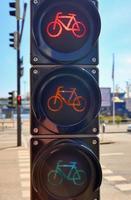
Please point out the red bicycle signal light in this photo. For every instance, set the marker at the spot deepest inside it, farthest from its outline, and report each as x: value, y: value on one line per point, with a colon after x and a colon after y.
x: 64, y: 31
x: 19, y: 100
x: 55, y: 28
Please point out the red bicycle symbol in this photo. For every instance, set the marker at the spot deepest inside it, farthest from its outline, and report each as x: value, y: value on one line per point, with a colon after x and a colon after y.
x: 55, y: 103
x: 54, y: 28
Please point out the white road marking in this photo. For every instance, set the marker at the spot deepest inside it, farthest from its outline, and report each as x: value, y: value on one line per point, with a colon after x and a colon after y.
x: 24, y: 160
x: 114, y: 178
x: 22, y: 156
x: 25, y: 183
x: 24, y: 164
x: 113, y: 154
x: 24, y: 167
x: 27, y: 169
x: 24, y: 175
x: 23, y: 152
x: 26, y: 193
x: 107, y: 171
x: 8, y: 142
x: 103, y: 167
x: 124, y: 187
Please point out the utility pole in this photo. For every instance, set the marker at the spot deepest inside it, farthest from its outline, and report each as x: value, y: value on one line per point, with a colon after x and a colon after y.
x: 18, y: 88
x: 113, y: 79
x: 16, y: 44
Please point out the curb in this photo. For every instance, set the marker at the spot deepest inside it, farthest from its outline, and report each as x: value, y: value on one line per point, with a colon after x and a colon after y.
x: 106, y: 142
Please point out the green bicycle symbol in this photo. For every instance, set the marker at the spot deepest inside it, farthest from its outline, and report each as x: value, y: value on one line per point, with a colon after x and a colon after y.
x: 57, y: 176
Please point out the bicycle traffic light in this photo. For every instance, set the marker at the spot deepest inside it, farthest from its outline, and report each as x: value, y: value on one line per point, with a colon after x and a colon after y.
x: 65, y: 168
x: 65, y: 100
x: 64, y: 32
x: 19, y: 100
x: 11, y: 99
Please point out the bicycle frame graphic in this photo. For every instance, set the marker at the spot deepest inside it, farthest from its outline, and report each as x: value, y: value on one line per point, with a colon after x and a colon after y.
x: 55, y: 103
x: 74, y: 175
x: 77, y: 28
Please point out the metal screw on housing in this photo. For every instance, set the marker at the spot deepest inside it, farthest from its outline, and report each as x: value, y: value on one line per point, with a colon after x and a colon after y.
x: 94, y: 130
x: 94, y: 142
x: 35, y: 1
x: 35, y: 142
x: 35, y: 71
x: 35, y: 59
x: 93, y: 71
x: 93, y: 59
x: 35, y: 130
x: 95, y: 5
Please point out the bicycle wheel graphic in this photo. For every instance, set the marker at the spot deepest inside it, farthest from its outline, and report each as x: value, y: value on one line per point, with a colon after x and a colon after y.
x: 54, y: 29
x: 79, y: 29
x: 55, y: 104
x: 79, y: 104
x: 79, y: 177
x: 54, y: 178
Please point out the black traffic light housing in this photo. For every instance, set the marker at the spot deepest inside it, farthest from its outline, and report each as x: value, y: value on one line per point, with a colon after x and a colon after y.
x: 13, y: 40
x: 21, y: 69
x: 12, y: 5
x: 65, y: 100
x: 16, y: 9
x: 67, y: 86
x: 54, y: 40
x: 62, y: 163
x: 11, y: 99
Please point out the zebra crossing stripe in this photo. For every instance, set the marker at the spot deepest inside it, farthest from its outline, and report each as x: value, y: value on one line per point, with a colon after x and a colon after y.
x: 106, y: 171
x: 124, y: 187
x: 114, y: 178
x: 24, y: 167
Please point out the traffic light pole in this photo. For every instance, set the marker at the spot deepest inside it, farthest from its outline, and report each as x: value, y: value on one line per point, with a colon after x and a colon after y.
x: 17, y: 36
x: 18, y: 89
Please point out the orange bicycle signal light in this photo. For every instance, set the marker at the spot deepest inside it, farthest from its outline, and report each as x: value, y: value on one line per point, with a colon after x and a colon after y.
x: 76, y: 102
x: 68, y: 101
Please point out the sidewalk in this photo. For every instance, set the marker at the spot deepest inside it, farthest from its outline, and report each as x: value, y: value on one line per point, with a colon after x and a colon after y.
x: 11, y: 187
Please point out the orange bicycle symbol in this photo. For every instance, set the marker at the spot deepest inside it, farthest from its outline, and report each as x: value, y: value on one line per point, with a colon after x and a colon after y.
x: 54, y: 28
x: 55, y: 103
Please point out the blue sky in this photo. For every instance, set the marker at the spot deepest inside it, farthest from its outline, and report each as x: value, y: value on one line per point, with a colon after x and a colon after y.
x: 115, y: 38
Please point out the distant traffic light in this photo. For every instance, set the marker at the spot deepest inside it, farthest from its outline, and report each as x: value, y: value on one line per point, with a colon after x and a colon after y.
x: 21, y: 69
x: 11, y: 99
x: 16, y: 9
x: 13, y: 40
x: 19, y: 100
